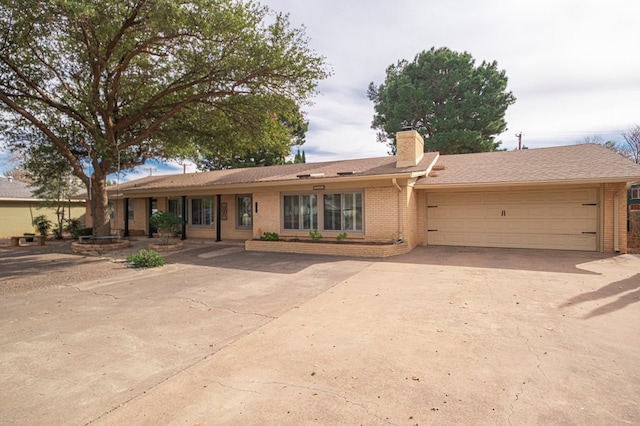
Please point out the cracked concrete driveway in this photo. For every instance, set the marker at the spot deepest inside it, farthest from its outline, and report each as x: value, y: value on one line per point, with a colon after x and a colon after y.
x: 438, y: 336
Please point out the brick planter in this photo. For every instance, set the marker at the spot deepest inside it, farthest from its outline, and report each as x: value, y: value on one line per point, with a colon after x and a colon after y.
x: 341, y: 249
x: 78, y: 247
x: 166, y: 247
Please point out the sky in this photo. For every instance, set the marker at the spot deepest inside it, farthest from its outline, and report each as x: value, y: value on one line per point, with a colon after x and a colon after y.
x: 573, y: 66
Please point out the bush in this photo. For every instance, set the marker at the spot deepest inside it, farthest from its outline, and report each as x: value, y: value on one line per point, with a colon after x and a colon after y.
x: 167, y: 224
x: 315, y: 236
x: 74, y: 228
x: 146, y: 259
x: 270, y: 236
x: 341, y: 237
x: 42, y: 224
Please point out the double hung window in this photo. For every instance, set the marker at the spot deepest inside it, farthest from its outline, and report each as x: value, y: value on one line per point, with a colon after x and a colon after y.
x: 175, y: 207
x: 201, y: 211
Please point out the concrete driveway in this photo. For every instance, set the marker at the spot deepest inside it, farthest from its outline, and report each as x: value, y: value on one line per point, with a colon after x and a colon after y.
x: 438, y: 336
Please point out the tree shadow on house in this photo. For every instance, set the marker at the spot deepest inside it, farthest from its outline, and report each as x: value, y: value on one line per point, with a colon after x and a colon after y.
x: 502, y: 258
x: 622, y: 288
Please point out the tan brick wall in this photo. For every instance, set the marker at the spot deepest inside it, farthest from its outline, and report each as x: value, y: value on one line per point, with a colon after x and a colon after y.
x: 421, y: 225
x: 229, y: 227
x: 411, y: 216
x: 267, y: 219
x: 608, y: 241
x: 409, y: 148
x: 346, y: 249
x: 381, y: 209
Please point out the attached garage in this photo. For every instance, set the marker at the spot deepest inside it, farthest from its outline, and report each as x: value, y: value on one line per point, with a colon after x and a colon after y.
x: 564, y: 218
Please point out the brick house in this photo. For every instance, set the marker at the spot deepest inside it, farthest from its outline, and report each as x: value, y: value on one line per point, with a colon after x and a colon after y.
x: 568, y: 198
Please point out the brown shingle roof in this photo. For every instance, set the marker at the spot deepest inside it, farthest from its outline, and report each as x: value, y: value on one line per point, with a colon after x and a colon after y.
x: 276, y: 174
x: 584, y: 162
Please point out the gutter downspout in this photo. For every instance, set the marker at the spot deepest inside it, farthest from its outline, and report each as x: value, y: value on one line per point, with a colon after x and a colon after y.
x: 400, y: 211
x: 616, y: 218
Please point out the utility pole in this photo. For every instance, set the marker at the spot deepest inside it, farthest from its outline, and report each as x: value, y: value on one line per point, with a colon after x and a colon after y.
x: 519, y: 136
x: 151, y: 169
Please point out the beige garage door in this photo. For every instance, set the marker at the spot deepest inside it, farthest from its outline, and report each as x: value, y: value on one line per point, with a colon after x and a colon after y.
x: 564, y: 219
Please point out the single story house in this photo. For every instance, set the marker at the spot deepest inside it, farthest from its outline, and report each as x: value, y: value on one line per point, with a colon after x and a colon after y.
x: 18, y: 207
x: 567, y: 198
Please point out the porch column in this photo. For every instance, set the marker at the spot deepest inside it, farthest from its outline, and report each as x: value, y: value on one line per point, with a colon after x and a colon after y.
x: 184, y: 218
x: 150, y: 234
x: 126, y: 217
x: 218, y: 215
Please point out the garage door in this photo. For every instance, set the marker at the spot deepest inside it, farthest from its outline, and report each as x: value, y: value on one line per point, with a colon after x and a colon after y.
x: 564, y: 219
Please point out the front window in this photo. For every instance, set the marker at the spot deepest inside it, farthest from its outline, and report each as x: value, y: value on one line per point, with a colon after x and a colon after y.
x: 635, y: 193
x: 337, y: 212
x: 112, y: 210
x: 300, y: 211
x: 352, y: 211
x: 202, y: 211
x: 243, y: 211
x: 175, y: 207
x: 332, y: 212
x: 131, y: 210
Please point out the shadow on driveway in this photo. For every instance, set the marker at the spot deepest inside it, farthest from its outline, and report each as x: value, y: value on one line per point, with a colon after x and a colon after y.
x: 239, y: 259
x: 498, y: 258
x: 609, y: 290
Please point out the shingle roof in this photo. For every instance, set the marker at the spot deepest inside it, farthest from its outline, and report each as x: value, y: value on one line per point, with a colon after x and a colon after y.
x: 583, y: 162
x: 277, y: 174
x: 14, y: 189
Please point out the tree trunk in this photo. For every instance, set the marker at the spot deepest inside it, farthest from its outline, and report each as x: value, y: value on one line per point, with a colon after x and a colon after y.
x: 100, y: 206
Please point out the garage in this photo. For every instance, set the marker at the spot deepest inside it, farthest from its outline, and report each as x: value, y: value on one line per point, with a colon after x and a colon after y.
x: 559, y: 218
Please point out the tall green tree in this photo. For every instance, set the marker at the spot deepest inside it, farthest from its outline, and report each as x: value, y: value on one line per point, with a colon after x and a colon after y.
x: 114, y: 83
x: 456, y: 106
x: 241, y: 151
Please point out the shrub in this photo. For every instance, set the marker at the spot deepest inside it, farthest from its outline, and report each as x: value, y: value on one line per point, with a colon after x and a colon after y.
x: 270, y: 236
x: 146, y: 259
x: 57, y: 233
x: 74, y: 228
x: 315, y: 235
x: 42, y: 224
x: 168, y: 225
x: 341, y: 237
x: 82, y: 232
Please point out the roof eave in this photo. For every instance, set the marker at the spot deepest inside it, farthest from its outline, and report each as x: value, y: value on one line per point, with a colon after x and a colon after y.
x: 272, y: 183
x: 628, y: 179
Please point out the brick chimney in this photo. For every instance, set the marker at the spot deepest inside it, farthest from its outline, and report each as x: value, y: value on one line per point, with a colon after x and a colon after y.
x: 409, y: 148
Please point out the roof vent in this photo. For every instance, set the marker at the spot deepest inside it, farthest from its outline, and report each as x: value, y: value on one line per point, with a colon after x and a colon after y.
x: 310, y: 175
x: 346, y: 173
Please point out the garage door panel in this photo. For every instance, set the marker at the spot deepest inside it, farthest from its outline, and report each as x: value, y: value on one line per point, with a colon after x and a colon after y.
x: 562, y: 218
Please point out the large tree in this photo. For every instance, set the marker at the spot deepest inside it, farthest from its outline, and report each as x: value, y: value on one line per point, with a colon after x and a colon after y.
x: 114, y: 83
x: 290, y: 125
x: 631, y: 147
x: 456, y: 106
